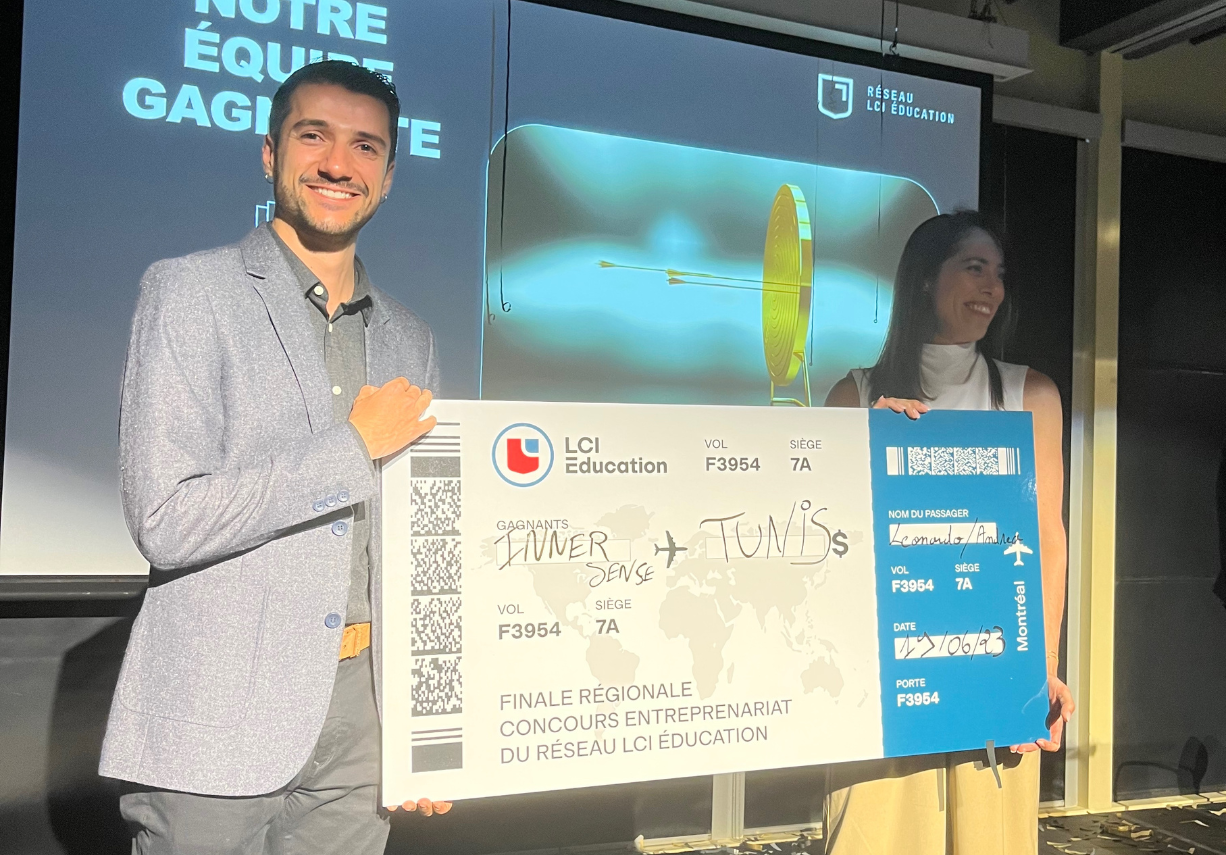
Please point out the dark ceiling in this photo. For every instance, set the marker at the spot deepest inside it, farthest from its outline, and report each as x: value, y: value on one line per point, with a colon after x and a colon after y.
x: 1139, y: 27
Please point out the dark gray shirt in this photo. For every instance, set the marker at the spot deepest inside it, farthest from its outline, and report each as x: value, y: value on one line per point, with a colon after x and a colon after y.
x: 342, y: 340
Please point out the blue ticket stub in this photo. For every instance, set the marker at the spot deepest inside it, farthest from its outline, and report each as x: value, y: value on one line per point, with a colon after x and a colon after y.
x: 959, y: 587
x: 586, y: 594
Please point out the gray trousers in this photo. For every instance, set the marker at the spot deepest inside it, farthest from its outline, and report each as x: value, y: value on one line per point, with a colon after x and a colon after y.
x: 331, y: 806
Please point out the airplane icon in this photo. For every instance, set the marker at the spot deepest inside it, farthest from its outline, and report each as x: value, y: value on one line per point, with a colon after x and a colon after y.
x: 672, y: 549
x: 1017, y: 549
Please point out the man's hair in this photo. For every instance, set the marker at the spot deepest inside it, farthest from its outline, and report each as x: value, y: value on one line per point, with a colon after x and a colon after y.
x: 337, y: 72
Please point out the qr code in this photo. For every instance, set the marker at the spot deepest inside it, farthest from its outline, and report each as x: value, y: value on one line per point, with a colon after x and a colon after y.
x: 436, y: 625
x: 438, y: 685
x: 436, y: 505
x: 938, y: 460
x: 436, y: 565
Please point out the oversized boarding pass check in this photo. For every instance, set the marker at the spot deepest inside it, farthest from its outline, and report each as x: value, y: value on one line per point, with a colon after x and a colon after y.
x: 584, y: 594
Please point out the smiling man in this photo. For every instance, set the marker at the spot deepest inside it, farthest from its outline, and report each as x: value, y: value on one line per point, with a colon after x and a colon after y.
x: 264, y: 383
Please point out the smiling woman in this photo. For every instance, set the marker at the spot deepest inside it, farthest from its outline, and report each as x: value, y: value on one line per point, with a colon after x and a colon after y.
x: 949, y: 291
x: 949, y: 322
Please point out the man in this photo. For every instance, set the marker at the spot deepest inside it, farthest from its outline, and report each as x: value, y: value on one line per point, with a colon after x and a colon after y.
x: 264, y: 383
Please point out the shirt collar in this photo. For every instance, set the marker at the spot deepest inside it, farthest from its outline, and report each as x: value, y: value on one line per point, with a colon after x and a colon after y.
x: 361, y: 299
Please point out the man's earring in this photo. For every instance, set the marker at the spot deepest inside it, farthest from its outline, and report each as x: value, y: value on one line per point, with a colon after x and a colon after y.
x: 384, y: 199
x: 267, y: 177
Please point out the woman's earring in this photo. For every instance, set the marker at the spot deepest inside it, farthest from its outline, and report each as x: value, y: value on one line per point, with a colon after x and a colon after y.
x: 384, y: 199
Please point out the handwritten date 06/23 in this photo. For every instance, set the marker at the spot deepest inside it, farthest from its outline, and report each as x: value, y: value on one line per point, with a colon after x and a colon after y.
x: 733, y: 464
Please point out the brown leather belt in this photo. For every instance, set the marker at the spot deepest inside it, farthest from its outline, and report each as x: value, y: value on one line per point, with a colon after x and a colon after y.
x: 354, y: 640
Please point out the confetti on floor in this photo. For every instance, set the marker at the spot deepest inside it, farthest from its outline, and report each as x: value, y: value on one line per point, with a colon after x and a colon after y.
x: 1190, y: 830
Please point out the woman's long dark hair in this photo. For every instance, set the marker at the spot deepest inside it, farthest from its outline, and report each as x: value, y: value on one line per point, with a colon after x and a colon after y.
x: 913, y: 319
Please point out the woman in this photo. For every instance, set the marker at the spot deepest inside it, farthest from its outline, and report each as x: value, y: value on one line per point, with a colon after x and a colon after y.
x: 950, y: 318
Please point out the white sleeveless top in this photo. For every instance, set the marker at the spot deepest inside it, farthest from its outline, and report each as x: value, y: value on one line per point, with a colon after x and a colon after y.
x: 956, y: 377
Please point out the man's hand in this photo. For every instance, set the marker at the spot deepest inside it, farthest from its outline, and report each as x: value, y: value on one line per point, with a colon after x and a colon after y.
x: 426, y: 807
x: 389, y: 418
x: 1062, y: 708
x: 913, y: 409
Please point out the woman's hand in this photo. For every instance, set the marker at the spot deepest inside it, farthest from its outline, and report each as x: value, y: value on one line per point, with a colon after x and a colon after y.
x: 1061, y: 710
x: 426, y: 807
x: 913, y: 409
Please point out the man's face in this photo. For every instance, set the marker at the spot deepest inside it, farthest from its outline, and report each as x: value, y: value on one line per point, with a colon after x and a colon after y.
x: 330, y: 167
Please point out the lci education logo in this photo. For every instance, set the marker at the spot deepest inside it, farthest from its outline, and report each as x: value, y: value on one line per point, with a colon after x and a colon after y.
x: 523, y: 455
x: 834, y: 95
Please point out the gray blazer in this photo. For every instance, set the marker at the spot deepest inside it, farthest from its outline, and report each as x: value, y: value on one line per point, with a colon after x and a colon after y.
x: 239, y: 488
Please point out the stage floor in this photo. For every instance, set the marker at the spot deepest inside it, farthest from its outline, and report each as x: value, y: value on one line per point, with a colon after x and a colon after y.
x: 1194, y: 830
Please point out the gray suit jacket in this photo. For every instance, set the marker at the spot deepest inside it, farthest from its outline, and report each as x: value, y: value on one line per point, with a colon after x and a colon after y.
x: 239, y: 487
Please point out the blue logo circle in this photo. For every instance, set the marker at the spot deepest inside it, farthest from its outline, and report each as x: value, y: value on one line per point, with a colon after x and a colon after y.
x: 522, y: 454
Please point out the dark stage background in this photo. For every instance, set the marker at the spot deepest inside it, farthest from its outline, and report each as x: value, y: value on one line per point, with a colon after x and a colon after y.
x: 1170, y: 674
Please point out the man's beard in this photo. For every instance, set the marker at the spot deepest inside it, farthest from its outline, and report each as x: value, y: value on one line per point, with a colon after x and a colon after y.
x: 291, y: 208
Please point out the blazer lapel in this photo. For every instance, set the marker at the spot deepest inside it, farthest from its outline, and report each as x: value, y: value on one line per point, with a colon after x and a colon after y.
x: 381, y: 366
x: 381, y: 350
x: 287, y: 309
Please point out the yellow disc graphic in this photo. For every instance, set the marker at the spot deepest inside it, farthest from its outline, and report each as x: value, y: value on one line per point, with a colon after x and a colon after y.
x: 787, y: 284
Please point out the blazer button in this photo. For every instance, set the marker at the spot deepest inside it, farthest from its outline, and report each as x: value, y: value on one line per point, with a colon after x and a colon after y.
x: 332, y: 621
x: 318, y: 506
x: 330, y: 501
x: 340, y: 527
x: 343, y: 495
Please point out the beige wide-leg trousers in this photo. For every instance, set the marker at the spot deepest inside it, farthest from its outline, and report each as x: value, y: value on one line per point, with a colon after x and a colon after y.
x: 937, y: 804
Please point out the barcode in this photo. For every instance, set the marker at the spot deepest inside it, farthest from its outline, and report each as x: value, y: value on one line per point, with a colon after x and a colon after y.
x: 436, y: 565
x: 437, y: 748
x: 436, y: 632
x: 895, y: 461
x: 437, y: 685
x: 952, y: 460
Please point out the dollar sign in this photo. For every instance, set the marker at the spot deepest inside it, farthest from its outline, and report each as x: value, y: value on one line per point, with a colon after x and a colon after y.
x: 840, y: 543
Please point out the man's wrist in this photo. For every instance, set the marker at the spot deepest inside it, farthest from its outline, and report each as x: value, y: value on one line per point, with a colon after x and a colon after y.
x: 361, y: 441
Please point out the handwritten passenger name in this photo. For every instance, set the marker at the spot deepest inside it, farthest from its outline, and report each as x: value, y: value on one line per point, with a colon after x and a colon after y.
x: 536, y: 546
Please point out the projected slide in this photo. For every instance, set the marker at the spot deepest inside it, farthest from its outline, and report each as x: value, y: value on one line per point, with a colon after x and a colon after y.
x: 636, y: 271
x: 585, y: 208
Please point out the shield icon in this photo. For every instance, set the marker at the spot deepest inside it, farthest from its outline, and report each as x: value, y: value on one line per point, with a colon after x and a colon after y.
x: 834, y: 95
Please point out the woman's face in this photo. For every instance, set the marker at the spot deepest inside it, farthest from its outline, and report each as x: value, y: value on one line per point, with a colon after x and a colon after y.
x: 968, y: 291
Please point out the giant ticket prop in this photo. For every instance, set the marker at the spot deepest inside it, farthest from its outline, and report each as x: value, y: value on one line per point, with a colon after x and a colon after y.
x: 583, y: 594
